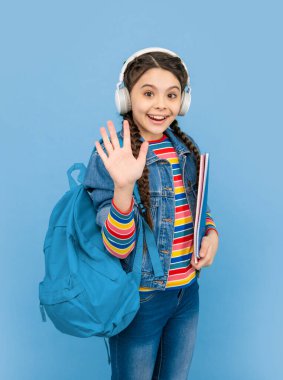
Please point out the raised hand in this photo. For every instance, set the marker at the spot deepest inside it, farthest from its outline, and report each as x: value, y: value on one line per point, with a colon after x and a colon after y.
x: 122, y: 166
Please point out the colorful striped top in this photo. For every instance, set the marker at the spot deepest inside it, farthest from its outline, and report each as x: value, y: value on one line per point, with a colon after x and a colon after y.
x: 119, y: 229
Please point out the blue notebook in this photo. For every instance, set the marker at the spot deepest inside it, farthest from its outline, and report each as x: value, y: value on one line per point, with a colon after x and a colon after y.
x: 200, y: 220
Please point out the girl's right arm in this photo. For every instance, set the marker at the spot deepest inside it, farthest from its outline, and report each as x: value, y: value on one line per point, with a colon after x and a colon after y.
x: 113, y: 183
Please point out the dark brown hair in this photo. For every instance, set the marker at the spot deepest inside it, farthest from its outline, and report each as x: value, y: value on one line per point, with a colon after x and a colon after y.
x: 133, y: 72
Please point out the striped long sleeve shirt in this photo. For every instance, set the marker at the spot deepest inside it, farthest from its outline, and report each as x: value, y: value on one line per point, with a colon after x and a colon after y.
x: 119, y: 228
x: 119, y: 231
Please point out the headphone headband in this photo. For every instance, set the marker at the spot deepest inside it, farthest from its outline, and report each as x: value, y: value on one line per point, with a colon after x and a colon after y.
x: 148, y: 50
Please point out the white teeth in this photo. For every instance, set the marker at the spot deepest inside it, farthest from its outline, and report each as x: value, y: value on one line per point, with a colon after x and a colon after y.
x: 157, y: 117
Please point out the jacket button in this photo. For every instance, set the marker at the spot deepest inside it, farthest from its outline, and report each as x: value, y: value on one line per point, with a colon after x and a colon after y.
x: 167, y: 220
x: 168, y: 188
x: 164, y: 251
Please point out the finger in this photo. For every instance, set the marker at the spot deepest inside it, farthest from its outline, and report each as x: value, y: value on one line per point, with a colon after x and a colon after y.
x: 113, y: 135
x: 193, y: 261
x: 127, y: 135
x: 142, y: 153
x: 203, y: 248
x: 203, y: 252
x: 106, y: 141
x: 206, y: 260
x: 198, y: 265
x: 209, y: 257
x: 101, y: 152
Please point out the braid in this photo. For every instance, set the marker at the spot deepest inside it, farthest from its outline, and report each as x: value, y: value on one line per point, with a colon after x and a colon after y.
x: 143, y: 182
x: 179, y: 133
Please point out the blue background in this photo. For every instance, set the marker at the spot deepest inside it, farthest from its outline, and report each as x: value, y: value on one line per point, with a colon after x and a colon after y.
x: 60, y: 62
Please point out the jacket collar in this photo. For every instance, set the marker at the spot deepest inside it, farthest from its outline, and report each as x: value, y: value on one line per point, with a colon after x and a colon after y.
x: 178, y: 144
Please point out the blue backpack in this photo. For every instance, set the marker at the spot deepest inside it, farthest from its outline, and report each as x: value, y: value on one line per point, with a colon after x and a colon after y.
x: 85, y: 291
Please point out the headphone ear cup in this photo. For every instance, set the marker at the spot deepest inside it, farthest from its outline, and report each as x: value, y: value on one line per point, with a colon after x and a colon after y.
x: 185, y: 104
x: 123, y: 100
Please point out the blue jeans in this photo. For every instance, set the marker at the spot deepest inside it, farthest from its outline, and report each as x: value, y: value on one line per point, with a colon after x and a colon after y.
x: 159, y: 342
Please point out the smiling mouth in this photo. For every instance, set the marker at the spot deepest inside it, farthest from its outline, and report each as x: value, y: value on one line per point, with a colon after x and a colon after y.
x: 157, y: 117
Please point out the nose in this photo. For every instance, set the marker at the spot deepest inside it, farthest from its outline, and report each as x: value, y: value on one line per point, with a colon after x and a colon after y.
x: 160, y: 102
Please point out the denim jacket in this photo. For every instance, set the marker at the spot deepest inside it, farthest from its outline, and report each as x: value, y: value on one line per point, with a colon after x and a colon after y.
x: 162, y: 203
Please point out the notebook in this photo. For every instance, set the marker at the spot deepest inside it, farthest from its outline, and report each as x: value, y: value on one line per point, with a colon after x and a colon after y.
x: 200, y: 219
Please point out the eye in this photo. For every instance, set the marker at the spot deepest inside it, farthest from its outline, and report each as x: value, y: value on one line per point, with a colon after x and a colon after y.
x: 148, y: 92
x: 174, y: 96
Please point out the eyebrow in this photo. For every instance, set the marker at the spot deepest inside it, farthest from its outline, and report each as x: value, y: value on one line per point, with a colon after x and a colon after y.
x: 169, y: 88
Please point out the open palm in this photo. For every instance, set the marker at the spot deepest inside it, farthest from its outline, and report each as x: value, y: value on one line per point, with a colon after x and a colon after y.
x: 122, y: 166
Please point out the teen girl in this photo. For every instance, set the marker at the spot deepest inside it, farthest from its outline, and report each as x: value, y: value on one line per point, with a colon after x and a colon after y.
x: 164, y: 161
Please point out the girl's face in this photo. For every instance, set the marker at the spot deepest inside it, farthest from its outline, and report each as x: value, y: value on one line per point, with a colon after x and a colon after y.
x: 157, y: 94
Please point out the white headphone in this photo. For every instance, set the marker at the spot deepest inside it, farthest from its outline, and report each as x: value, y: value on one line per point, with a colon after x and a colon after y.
x: 122, y: 96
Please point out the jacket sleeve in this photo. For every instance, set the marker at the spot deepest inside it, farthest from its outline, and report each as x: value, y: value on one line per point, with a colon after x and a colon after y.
x: 118, y: 229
